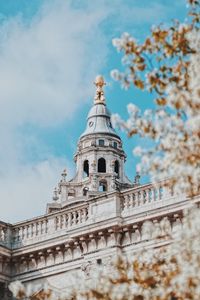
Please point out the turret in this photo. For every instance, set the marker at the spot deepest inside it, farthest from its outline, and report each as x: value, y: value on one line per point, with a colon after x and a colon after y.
x: 99, y: 158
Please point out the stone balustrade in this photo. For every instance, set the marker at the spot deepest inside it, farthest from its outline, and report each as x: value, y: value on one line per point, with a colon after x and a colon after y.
x: 55, y: 240
x: 131, y: 202
x: 71, y: 219
x: 154, y: 232
x: 51, y: 225
x: 5, y: 230
x: 29, y: 230
x: 145, y: 197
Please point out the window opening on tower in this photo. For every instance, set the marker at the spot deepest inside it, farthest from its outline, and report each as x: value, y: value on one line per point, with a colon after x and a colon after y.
x: 116, y: 168
x: 101, y: 143
x: 103, y: 186
x: 115, y: 145
x: 86, y: 169
x: 102, y: 165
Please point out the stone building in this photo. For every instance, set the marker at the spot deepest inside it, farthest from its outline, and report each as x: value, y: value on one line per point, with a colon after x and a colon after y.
x: 93, y: 216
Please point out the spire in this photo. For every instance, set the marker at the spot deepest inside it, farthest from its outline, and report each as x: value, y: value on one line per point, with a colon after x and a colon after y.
x: 99, y: 97
x: 98, y: 119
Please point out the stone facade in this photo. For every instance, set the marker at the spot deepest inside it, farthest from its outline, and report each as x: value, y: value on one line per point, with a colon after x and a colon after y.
x: 97, y: 214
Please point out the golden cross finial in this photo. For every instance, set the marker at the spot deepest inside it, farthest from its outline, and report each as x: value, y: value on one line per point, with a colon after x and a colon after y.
x: 99, y: 97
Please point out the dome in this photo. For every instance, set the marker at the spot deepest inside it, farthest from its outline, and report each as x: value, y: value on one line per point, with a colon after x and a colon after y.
x: 99, y: 110
x: 98, y: 121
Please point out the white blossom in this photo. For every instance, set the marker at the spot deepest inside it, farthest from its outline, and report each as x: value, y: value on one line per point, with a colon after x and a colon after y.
x: 17, y: 288
x: 175, y: 151
x: 137, y: 151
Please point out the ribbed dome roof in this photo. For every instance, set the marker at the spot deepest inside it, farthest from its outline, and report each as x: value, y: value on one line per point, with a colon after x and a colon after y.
x: 98, y: 110
x: 98, y: 121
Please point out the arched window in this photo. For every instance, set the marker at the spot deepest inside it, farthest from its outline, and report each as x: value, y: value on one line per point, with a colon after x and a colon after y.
x: 116, y: 168
x: 85, y: 169
x: 103, y: 186
x: 85, y: 191
x: 102, y: 165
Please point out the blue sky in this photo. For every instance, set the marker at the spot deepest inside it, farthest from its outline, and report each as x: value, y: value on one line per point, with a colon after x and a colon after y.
x: 50, y: 53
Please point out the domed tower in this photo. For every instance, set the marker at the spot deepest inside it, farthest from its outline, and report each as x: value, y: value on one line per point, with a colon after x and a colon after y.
x: 99, y: 157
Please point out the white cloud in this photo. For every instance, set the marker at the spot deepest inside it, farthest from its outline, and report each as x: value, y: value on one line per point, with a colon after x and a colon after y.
x: 46, y: 66
x: 26, y: 191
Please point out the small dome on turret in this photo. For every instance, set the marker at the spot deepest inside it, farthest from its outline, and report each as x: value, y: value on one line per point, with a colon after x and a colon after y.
x: 99, y: 110
x: 98, y: 120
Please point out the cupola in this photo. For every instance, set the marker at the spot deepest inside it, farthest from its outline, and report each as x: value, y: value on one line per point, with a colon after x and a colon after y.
x: 99, y: 158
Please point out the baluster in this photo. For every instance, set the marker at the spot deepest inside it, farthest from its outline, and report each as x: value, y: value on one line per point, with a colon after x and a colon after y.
x: 130, y: 202
x: 17, y: 234
x: 13, y: 234
x: 66, y: 221
x: 133, y: 200
x: 61, y: 221
x: 13, y: 237
x: 32, y: 229
x: 7, y: 237
x: 46, y: 226
x: 84, y: 214
x: 4, y: 230
x: 36, y: 228
x: 27, y: 232
x: 56, y: 223
x: 70, y: 219
x: 1, y: 233
x: 39, y: 227
x: 139, y: 198
x: 86, y: 211
x: 74, y: 217
x: 126, y: 203
x: 149, y: 195
x: 160, y: 193
x: 20, y: 233
x: 79, y: 217
x: 144, y: 194
x: 154, y: 194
